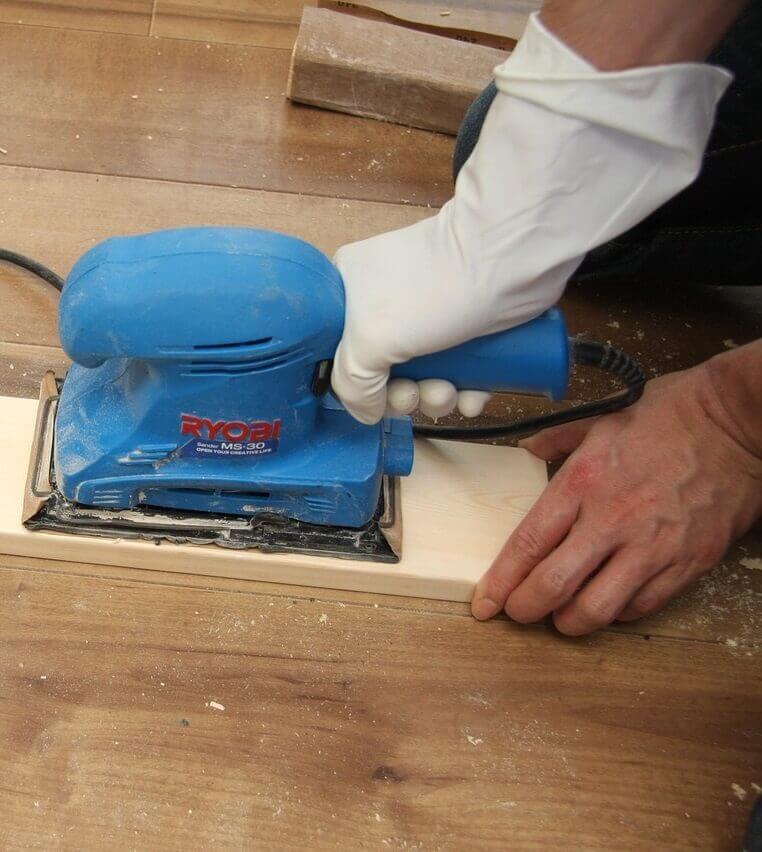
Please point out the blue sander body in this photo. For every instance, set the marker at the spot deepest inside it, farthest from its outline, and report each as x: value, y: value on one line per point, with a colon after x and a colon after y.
x: 200, y: 385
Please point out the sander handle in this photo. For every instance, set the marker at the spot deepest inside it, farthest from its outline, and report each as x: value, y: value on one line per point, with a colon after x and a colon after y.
x: 532, y: 358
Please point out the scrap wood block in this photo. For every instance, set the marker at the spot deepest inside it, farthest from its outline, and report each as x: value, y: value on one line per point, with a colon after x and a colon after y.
x: 387, y: 72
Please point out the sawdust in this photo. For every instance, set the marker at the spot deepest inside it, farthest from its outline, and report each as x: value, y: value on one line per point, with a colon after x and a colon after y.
x: 753, y: 564
x: 722, y: 598
x: 477, y: 698
x: 738, y: 791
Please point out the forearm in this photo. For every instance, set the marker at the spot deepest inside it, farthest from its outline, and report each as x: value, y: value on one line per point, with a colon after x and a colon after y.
x: 736, y: 380
x: 614, y: 35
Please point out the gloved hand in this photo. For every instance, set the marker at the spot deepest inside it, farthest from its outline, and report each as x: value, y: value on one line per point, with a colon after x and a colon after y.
x: 568, y: 158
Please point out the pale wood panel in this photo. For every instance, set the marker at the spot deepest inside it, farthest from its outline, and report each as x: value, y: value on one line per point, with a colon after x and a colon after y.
x: 55, y: 217
x: 268, y: 23
x: 122, y: 16
x: 459, y: 503
x: 208, y: 114
x: 349, y: 726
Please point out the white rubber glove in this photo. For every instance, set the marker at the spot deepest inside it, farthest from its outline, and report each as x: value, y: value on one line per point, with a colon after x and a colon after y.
x: 568, y: 158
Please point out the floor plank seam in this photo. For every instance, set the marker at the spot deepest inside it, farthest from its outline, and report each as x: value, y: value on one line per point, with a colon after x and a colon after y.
x: 237, y: 44
x: 318, y: 596
x: 226, y: 186
x: 152, y: 18
x: 313, y: 595
x: 70, y: 28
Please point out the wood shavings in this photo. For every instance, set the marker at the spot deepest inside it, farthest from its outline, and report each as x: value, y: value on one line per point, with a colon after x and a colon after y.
x: 3, y: 151
x: 215, y: 705
x: 738, y: 791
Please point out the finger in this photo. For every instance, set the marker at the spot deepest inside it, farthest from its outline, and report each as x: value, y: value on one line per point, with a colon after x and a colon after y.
x: 534, y: 538
x: 402, y: 396
x: 607, y: 594
x: 437, y: 397
x: 471, y: 402
x: 360, y: 390
x: 558, y: 442
x: 657, y: 592
x: 555, y: 580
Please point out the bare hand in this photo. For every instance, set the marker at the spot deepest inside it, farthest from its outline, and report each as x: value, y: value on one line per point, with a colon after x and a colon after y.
x: 648, y: 501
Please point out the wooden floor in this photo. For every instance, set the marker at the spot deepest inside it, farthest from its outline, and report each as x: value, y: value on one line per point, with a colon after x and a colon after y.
x: 141, y: 710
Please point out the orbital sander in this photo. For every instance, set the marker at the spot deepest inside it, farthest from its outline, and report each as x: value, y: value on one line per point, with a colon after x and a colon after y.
x: 198, y: 406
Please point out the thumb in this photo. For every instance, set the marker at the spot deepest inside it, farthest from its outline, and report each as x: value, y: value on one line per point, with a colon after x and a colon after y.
x: 556, y: 443
x: 361, y: 390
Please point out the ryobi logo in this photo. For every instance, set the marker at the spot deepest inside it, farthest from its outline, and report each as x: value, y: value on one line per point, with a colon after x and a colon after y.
x: 229, y: 430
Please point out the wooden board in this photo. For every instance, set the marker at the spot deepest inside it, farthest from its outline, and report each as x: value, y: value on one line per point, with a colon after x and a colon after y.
x: 458, y: 506
x: 269, y: 23
x: 383, y: 71
x: 212, y: 115
x: 351, y: 726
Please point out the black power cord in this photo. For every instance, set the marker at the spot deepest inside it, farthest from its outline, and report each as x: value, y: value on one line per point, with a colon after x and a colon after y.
x: 32, y: 266
x: 584, y: 353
